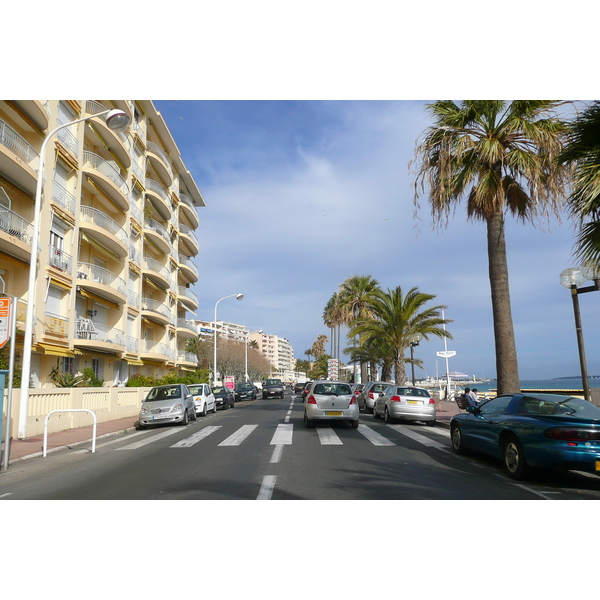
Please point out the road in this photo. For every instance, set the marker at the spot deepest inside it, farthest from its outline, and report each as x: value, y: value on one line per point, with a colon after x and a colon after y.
x: 261, y: 451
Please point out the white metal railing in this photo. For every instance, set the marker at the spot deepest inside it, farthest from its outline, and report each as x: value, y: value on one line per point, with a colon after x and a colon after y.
x: 189, y: 232
x: 63, y: 198
x: 156, y: 149
x: 68, y: 139
x: 97, y: 217
x: 132, y: 344
x: 186, y: 200
x: 135, y: 255
x: 187, y: 357
x: 101, y: 275
x: 138, y: 171
x: 136, y: 212
x: 86, y: 329
x: 133, y: 298
x: 16, y: 226
x: 157, y: 227
x: 10, y: 139
x: 157, y: 307
x: 157, y: 348
x: 154, y: 265
x: 44, y: 452
x: 59, y: 259
x: 108, y: 168
x: 158, y: 189
x: 184, y: 260
x: 188, y: 325
x: 183, y: 291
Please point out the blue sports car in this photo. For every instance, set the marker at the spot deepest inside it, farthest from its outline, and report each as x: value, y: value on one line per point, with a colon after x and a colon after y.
x: 532, y: 430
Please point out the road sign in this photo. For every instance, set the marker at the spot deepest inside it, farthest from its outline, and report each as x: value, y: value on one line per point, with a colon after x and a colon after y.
x: 446, y: 353
x: 4, y: 321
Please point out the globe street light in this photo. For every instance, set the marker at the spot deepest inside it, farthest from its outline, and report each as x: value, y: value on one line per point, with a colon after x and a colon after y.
x: 237, y: 297
x: 572, y: 279
x: 247, y: 337
x: 414, y: 341
x: 118, y: 121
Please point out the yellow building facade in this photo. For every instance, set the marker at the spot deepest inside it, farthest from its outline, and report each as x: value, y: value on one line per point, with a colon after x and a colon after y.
x: 117, y: 242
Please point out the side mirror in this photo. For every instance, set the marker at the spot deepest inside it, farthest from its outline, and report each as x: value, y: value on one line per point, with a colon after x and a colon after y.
x: 470, y: 409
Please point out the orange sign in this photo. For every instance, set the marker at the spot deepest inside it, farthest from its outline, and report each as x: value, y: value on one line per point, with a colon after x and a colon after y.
x: 4, y: 321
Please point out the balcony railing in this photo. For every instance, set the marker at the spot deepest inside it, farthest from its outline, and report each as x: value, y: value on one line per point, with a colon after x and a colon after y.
x: 10, y: 139
x: 63, y: 198
x: 101, y: 275
x: 16, y: 226
x: 158, y: 228
x: 135, y: 255
x: 97, y: 217
x: 151, y: 347
x: 133, y: 298
x: 183, y: 291
x: 136, y: 212
x: 159, y: 190
x: 188, y: 325
x: 153, y: 265
x: 187, y: 357
x: 56, y: 324
x: 88, y: 330
x: 108, y: 168
x: 156, y: 149
x: 157, y: 307
x: 59, y: 259
x: 183, y: 260
x: 189, y: 232
x: 132, y: 344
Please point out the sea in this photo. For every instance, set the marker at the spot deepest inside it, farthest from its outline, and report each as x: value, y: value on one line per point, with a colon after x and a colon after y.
x: 568, y: 383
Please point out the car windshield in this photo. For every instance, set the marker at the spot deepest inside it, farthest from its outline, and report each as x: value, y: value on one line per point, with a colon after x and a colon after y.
x: 273, y: 382
x: 244, y: 386
x: 379, y: 387
x: 164, y: 393
x: 413, y: 392
x: 332, y: 389
x: 195, y: 389
x: 561, y: 406
x: 219, y: 390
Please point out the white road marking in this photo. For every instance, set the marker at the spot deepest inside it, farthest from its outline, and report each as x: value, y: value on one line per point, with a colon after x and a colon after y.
x: 375, y: 438
x: 417, y: 437
x: 196, y: 437
x: 120, y: 439
x: 5, y: 495
x: 266, y: 489
x: 239, y: 436
x: 328, y: 437
x: 540, y: 494
x: 151, y: 439
x: 277, y: 452
x: 283, y: 435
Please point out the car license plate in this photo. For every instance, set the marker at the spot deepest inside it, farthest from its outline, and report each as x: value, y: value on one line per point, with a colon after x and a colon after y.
x: 413, y: 402
x: 334, y: 413
x: 157, y: 417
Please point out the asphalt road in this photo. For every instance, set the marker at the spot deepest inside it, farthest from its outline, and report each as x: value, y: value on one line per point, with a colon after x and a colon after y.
x: 261, y: 450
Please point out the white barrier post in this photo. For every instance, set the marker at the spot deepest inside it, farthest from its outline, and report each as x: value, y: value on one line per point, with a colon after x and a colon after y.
x: 69, y: 410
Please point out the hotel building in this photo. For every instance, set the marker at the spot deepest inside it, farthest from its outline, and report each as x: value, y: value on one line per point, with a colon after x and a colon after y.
x: 116, y: 245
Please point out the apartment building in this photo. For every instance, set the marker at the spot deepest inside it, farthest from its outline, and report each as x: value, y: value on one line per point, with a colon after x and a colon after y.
x: 115, y: 259
x: 225, y: 330
x: 277, y: 350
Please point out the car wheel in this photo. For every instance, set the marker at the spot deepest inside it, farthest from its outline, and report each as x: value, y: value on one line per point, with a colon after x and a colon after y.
x: 204, y: 410
x: 354, y: 424
x: 457, y: 440
x: 387, y: 417
x: 375, y: 413
x: 185, y: 419
x: 430, y: 423
x: 514, y: 459
x: 308, y: 423
x: 215, y: 407
x: 194, y: 415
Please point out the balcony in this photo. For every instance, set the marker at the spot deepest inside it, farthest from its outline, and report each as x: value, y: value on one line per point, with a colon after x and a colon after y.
x: 150, y: 350
x: 104, y: 231
x: 156, y: 311
x: 36, y: 110
x: 56, y: 325
x: 160, y: 198
x: 187, y: 329
x: 188, y: 268
x: 98, y: 337
x: 106, y: 176
x: 187, y: 298
x: 18, y: 159
x: 187, y: 358
x: 100, y: 281
x: 64, y: 199
x: 133, y: 298
x: 158, y: 235
x: 189, y: 239
x: 160, y: 161
x: 16, y: 234
x: 157, y: 273
x: 59, y: 259
x: 187, y: 207
x: 98, y: 134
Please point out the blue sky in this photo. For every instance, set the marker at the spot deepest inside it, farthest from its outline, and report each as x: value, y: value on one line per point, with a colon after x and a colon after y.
x: 303, y: 194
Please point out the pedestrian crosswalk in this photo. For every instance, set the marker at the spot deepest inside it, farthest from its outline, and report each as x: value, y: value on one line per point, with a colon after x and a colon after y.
x: 382, y: 436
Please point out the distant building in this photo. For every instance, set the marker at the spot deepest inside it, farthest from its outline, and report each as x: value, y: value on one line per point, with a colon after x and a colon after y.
x: 277, y: 350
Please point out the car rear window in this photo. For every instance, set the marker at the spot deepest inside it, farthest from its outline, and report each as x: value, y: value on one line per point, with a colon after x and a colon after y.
x: 413, y: 392
x: 332, y: 389
x: 569, y: 407
x: 273, y: 382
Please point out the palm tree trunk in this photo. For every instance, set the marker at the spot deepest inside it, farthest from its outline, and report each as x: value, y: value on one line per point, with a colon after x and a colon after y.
x: 507, y: 368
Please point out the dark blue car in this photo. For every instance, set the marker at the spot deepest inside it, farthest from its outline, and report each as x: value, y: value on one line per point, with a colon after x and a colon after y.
x: 532, y: 430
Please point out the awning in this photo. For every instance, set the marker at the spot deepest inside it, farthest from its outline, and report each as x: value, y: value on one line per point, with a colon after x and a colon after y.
x: 98, y: 246
x: 133, y: 361
x: 52, y: 350
x: 99, y: 299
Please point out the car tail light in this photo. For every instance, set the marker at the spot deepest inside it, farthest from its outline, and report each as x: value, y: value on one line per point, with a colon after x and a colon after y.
x: 572, y: 434
x: 371, y: 396
x: 395, y: 399
x: 353, y: 400
x: 311, y: 400
x: 431, y: 401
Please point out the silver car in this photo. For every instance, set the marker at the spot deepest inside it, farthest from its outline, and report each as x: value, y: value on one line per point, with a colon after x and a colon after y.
x: 330, y: 401
x: 167, y: 404
x: 405, y: 402
x: 370, y: 393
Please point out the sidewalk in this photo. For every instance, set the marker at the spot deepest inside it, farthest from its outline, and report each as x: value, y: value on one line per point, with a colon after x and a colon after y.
x: 32, y: 447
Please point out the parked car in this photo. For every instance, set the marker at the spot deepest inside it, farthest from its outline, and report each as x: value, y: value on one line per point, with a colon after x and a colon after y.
x: 245, y: 391
x: 330, y: 401
x: 357, y: 388
x: 405, y: 402
x: 203, y: 398
x: 257, y: 385
x: 370, y: 393
x: 298, y: 387
x: 167, y: 404
x: 224, y: 397
x: 273, y: 387
x: 532, y: 430
x: 305, y: 390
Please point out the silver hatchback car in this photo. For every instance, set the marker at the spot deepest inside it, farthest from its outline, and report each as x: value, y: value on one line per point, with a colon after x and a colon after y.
x: 330, y: 400
x: 405, y: 402
x: 167, y: 404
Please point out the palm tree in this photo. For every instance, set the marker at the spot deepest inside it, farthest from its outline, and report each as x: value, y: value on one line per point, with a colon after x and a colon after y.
x: 582, y: 151
x: 355, y: 296
x: 502, y: 157
x: 332, y: 318
x: 397, y: 318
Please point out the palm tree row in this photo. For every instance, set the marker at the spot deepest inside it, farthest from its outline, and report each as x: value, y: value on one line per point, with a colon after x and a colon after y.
x: 382, y: 324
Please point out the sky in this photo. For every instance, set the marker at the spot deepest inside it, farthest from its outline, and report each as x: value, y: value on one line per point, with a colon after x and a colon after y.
x: 301, y: 195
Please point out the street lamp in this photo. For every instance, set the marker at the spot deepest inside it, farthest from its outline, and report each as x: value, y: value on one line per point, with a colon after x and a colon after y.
x: 414, y: 342
x: 237, y: 297
x: 117, y: 120
x: 572, y: 279
x: 247, y: 337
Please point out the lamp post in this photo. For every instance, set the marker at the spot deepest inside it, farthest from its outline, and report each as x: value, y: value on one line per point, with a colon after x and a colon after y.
x: 414, y: 342
x: 572, y: 279
x: 117, y: 120
x: 247, y: 337
x: 237, y: 297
